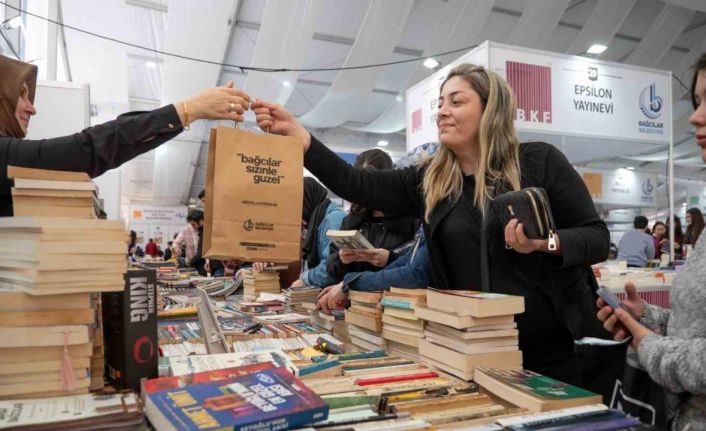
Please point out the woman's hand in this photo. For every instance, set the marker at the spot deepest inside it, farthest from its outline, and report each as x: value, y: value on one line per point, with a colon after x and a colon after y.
x: 637, y: 330
x: 515, y: 237
x: 376, y: 256
x: 297, y: 283
x: 332, y: 298
x: 260, y: 266
x: 611, y: 322
x: 274, y: 118
x: 217, y: 103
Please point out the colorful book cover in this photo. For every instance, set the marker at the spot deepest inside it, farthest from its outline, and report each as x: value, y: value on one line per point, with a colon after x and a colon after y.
x: 266, y: 400
x: 537, y: 385
x: 166, y: 383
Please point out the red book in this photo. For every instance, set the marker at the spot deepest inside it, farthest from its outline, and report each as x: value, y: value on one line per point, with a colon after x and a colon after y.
x: 395, y: 379
x: 165, y: 383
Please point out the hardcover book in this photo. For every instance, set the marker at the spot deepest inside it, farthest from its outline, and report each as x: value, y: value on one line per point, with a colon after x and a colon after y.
x: 533, y: 391
x: 266, y: 400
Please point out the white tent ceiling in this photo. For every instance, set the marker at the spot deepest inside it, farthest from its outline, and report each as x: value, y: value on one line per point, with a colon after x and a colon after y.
x: 355, y: 108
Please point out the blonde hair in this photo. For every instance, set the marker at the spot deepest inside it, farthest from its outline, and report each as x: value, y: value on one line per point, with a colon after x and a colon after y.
x: 499, y: 145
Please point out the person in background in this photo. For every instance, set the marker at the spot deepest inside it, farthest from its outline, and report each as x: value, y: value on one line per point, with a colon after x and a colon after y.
x: 101, y: 147
x: 671, y: 342
x: 168, y: 251
x: 678, y: 236
x: 132, y: 244
x: 410, y: 270
x: 151, y: 248
x: 659, y: 234
x: 188, y: 237
x: 384, y: 231
x: 480, y: 156
x: 319, y: 214
x: 694, y: 227
x: 637, y: 247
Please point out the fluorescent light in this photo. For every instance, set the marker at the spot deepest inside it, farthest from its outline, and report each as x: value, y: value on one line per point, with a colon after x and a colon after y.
x: 151, y: 65
x: 630, y: 168
x: 399, y: 98
x: 597, y: 48
x: 430, y: 63
x: 382, y: 143
x: 13, y: 22
x: 286, y: 84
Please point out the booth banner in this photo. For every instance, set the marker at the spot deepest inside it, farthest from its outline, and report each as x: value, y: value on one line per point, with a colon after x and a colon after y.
x: 560, y: 94
x: 696, y: 196
x: 145, y: 214
x: 620, y: 187
x: 582, y: 96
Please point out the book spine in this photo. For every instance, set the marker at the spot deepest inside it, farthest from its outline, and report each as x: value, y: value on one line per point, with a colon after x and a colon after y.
x: 320, y: 366
x: 396, y: 304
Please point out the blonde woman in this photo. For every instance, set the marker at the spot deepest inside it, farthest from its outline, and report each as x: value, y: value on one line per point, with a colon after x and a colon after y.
x: 478, y: 140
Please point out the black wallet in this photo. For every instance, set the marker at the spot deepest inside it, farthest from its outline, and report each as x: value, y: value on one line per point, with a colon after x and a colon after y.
x: 531, y: 207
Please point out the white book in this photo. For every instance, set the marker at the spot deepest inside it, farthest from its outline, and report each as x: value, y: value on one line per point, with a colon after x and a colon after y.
x: 349, y: 239
x: 182, y: 365
x: 39, y: 411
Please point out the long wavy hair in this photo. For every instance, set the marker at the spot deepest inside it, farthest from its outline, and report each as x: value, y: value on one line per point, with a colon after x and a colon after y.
x: 499, y: 145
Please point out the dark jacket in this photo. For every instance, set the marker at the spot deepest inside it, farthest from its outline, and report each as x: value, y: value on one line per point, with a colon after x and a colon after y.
x: 564, y: 280
x: 94, y: 150
x: 198, y: 262
x: 388, y: 233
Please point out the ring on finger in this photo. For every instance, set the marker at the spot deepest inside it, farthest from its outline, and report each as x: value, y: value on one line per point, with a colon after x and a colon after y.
x: 232, y: 107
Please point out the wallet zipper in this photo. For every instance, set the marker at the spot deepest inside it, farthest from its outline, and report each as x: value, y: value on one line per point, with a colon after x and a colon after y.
x: 540, y: 225
x: 551, y: 238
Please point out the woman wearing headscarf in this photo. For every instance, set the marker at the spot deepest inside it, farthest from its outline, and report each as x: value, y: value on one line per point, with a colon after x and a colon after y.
x: 102, y: 147
x: 319, y: 215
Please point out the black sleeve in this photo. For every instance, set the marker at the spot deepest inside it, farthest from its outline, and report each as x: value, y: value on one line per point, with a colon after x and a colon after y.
x: 95, y: 149
x: 583, y: 236
x: 395, y: 191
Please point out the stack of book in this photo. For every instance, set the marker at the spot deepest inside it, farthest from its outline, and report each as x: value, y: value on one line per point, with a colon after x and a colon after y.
x: 78, y: 412
x: 48, y: 270
x: 44, y: 193
x: 295, y: 297
x: 48, y: 256
x: 468, y: 329
x: 364, y: 319
x: 255, y: 283
x: 400, y: 326
x: 34, y: 333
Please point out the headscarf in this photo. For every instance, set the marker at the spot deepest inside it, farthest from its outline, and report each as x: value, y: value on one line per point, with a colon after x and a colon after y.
x: 14, y: 73
x: 313, y: 212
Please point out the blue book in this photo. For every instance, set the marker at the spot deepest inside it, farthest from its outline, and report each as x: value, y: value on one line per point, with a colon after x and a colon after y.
x: 394, y: 303
x: 265, y: 400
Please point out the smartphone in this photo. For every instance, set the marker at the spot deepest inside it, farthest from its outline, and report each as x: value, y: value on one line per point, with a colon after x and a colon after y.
x: 613, y: 301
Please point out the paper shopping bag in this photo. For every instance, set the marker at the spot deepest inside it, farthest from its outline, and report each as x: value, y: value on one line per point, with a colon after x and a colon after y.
x: 254, y: 193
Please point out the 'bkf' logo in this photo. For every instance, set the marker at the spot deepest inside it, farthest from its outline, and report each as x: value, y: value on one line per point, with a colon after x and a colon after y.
x: 532, y: 85
x: 650, y: 102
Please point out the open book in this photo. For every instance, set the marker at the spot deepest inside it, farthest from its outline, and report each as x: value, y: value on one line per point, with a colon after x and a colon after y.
x: 349, y: 239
